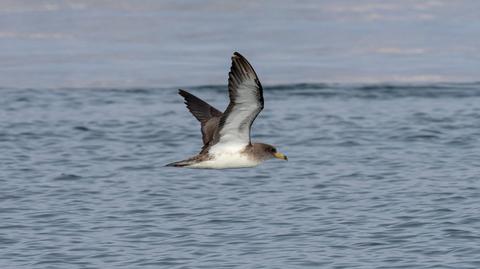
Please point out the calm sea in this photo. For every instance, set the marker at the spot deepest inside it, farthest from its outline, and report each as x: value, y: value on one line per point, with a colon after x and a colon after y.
x: 379, y: 176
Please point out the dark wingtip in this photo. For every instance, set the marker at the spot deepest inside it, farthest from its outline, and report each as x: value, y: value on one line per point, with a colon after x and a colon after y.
x: 184, y: 94
x: 238, y: 54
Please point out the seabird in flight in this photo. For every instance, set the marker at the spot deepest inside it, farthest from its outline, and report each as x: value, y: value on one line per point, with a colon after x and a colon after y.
x: 226, y: 136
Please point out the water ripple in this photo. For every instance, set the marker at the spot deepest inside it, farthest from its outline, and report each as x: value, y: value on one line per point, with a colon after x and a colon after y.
x: 379, y: 176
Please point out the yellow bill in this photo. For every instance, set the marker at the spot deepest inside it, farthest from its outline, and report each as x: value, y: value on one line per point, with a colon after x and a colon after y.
x: 281, y: 156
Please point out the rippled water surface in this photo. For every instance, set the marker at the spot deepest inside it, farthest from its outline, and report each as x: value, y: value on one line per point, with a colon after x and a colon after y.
x: 379, y: 176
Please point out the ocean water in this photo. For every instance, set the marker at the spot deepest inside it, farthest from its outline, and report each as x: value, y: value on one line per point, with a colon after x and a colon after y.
x: 379, y: 176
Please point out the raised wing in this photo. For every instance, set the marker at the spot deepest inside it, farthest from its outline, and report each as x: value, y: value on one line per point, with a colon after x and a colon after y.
x: 199, y: 108
x: 246, y: 102
x: 207, y: 115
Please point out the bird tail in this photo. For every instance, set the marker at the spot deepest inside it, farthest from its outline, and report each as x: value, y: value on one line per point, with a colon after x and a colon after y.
x: 180, y: 163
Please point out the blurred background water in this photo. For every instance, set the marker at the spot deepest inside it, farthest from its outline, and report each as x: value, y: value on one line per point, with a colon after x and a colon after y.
x: 374, y: 102
x: 147, y: 43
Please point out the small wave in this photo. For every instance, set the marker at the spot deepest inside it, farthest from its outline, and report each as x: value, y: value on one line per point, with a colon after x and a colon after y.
x: 372, y: 91
x: 67, y: 177
x: 81, y: 128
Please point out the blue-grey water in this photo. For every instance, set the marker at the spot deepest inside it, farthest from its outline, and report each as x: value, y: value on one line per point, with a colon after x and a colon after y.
x: 379, y: 176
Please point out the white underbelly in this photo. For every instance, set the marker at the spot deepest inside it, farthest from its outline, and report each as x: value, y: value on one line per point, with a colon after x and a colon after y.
x: 223, y: 161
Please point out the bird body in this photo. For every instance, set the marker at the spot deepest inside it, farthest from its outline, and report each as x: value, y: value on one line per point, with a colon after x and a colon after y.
x: 226, y: 136
x: 227, y: 159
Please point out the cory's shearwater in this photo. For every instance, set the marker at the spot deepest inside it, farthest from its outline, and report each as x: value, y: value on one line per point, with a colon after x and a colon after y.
x: 226, y: 136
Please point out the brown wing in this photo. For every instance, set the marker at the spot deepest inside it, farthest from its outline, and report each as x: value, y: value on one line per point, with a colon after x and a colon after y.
x: 208, y: 116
